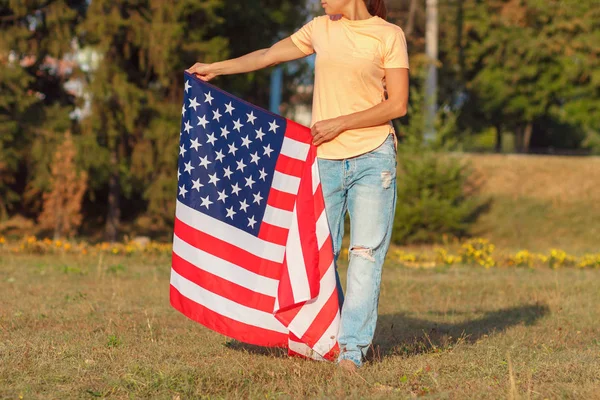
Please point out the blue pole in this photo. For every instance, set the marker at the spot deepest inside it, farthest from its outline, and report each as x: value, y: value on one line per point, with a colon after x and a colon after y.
x: 276, y: 85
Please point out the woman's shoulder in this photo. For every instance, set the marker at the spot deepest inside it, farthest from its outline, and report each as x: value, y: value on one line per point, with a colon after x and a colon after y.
x: 387, y: 27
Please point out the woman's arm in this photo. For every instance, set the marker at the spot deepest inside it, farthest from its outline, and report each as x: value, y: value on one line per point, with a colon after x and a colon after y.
x: 394, y: 107
x: 282, y: 51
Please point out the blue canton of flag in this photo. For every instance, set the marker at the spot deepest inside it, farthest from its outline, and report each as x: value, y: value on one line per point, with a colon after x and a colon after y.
x: 227, y: 156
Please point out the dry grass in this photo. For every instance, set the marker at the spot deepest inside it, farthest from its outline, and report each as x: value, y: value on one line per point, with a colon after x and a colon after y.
x: 558, y: 179
x: 540, y: 202
x: 84, y: 327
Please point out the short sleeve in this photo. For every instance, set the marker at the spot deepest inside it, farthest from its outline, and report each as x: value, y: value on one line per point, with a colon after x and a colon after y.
x: 303, y: 38
x: 396, y: 53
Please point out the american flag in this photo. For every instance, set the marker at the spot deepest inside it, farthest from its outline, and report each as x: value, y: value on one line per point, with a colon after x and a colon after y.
x: 252, y: 252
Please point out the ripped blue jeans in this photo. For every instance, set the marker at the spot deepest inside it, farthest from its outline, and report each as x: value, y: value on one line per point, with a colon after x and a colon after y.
x: 365, y: 187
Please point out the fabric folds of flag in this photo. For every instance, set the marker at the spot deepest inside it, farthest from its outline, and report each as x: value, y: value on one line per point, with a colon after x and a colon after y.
x: 252, y: 252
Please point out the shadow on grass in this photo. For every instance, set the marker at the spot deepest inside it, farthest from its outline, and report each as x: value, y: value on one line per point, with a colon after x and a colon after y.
x: 400, y: 334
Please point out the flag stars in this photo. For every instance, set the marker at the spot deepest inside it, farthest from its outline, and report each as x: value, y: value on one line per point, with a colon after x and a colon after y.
x: 224, y: 132
x: 232, y: 148
x: 187, y: 86
x: 251, y: 117
x: 227, y: 173
x: 235, y: 189
x: 237, y: 125
x: 222, y: 196
x: 204, y: 162
x: 273, y: 126
x: 240, y: 165
x: 182, y: 191
x: 246, y: 142
x: 182, y: 150
x: 259, y: 134
x: 255, y: 157
x: 217, y: 115
x: 219, y: 155
x: 197, y: 185
x: 244, y: 206
x: 195, y: 144
x: 188, y: 127
x: 202, y: 121
x: 213, y: 179
x: 193, y: 104
x: 211, y: 139
x: 251, y: 222
x: 229, y: 109
x: 263, y: 175
x: 208, y: 98
x: 230, y: 212
x: 257, y: 198
x: 206, y: 202
x: 188, y: 167
x: 268, y: 150
x: 250, y: 182
x: 183, y: 110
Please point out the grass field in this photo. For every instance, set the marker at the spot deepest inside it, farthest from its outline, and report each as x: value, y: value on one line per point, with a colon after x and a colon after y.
x: 540, y: 202
x: 88, y: 327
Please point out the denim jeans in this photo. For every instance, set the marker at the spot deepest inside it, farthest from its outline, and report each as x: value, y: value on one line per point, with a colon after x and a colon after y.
x: 365, y: 187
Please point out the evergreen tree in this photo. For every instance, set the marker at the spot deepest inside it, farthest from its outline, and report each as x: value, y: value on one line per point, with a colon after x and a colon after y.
x: 34, y: 106
x: 62, y: 203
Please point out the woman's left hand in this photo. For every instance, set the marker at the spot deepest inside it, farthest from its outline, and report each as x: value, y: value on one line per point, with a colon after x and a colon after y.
x: 326, y: 130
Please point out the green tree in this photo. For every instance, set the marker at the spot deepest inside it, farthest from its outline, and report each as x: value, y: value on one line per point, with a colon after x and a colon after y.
x: 525, y: 66
x: 34, y: 106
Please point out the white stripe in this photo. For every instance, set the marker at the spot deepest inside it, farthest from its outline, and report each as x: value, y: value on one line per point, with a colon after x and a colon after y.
x: 225, y: 307
x: 295, y: 263
x: 322, y: 229
x: 316, y: 179
x: 304, y: 350
x: 294, y: 149
x: 278, y: 217
x: 323, y: 346
x: 329, y: 338
x: 224, y: 269
x: 311, y: 309
x: 228, y: 233
x: 285, y: 183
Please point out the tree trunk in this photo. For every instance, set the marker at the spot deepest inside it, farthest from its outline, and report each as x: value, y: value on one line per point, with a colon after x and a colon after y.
x: 113, y: 215
x: 527, y: 137
x: 498, y: 148
x: 519, y: 140
x: 410, y: 23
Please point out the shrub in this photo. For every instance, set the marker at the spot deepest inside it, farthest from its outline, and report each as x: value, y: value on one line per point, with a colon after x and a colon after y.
x: 437, y: 196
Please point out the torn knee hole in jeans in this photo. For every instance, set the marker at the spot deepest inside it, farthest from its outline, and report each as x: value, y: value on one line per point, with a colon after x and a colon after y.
x: 363, y: 252
x: 386, y: 179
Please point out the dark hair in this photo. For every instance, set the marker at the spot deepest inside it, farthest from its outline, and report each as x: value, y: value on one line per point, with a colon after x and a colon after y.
x: 377, y: 7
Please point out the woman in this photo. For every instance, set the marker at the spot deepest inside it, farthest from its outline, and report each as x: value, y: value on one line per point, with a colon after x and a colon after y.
x: 358, y: 52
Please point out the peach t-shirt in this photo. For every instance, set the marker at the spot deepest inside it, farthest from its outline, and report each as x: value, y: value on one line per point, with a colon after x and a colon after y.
x: 352, y: 56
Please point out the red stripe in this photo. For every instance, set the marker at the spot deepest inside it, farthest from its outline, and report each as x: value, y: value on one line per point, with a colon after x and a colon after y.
x: 307, y: 227
x: 222, y: 287
x: 322, y: 321
x: 298, y: 132
x: 273, y: 234
x: 224, y: 325
x: 319, y: 201
x: 325, y: 256
x: 282, y: 200
x: 284, y: 291
x: 290, y: 166
x: 227, y: 251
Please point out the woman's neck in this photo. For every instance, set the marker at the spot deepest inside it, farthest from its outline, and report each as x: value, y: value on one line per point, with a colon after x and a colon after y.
x: 357, y: 11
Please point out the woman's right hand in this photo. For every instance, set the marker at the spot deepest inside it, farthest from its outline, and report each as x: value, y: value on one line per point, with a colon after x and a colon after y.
x: 202, y: 71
